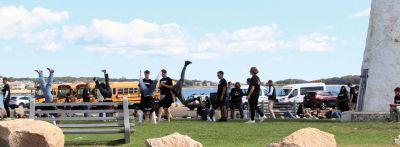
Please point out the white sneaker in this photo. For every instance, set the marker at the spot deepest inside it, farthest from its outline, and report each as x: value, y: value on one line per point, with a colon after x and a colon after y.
x: 251, y: 122
x: 154, y: 116
x: 209, y: 119
x: 263, y: 118
x: 213, y: 119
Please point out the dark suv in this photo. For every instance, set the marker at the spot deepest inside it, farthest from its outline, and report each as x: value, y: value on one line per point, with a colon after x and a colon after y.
x: 319, y: 99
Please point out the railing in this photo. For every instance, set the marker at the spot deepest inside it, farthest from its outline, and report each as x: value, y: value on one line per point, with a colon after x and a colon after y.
x: 280, y: 108
x: 127, y: 127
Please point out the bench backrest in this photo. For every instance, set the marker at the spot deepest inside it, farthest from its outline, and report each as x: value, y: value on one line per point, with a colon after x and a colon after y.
x: 128, y: 121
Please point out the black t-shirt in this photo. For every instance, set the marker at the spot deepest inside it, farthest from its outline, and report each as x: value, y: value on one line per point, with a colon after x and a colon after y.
x: 397, y: 99
x: 343, y: 97
x: 164, y: 90
x: 148, y: 83
x: 221, y: 85
x: 86, y: 95
x: 273, y: 96
x: 5, y: 89
x: 236, y: 95
x: 255, y: 81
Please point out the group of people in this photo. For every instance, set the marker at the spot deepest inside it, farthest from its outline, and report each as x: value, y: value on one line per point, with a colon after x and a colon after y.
x: 228, y: 97
x: 347, y: 100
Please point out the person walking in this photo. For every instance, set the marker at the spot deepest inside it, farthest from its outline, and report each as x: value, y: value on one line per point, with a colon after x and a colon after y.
x: 6, y: 96
x: 271, y: 97
x: 253, y: 94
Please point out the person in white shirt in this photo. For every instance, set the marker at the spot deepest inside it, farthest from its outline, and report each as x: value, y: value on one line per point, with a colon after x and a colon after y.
x: 271, y: 98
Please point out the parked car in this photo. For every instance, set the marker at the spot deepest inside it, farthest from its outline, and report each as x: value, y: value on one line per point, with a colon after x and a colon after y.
x: 296, y: 92
x: 319, y: 99
x: 16, y: 101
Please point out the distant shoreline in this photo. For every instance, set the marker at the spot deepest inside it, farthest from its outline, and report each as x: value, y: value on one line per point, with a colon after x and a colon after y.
x: 200, y: 87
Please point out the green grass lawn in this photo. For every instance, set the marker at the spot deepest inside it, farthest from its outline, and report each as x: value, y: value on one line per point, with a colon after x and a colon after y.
x: 237, y: 133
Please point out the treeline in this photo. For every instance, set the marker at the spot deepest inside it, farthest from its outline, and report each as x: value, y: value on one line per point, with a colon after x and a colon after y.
x: 355, y: 79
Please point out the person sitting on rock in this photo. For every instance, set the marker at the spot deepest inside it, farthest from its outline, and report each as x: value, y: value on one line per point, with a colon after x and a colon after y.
x: 395, y: 107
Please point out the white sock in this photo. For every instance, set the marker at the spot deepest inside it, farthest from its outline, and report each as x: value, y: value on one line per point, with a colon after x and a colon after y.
x: 140, y: 117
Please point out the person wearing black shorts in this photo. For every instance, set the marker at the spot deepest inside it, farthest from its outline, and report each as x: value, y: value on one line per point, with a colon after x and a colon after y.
x: 147, y: 89
x: 221, y: 96
x: 166, y: 98
x: 271, y: 97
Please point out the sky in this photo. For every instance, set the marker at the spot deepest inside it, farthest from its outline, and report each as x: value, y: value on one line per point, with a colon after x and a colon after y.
x: 309, y: 39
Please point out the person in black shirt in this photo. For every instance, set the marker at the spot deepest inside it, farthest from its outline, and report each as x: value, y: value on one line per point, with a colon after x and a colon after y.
x: 221, y: 96
x: 271, y: 97
x: 395, y: 107
x: 6, y: 96
x: 166, y: 98
x: 105, y: 90
x: 253, y: 94
x: 343, y: 100
x: 146, y: 101
x: 86, y: 98
x: 236, y: 100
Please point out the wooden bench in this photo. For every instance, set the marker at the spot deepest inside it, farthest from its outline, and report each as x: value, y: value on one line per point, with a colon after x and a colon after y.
x: 280, y: 108
x: 127, y: 127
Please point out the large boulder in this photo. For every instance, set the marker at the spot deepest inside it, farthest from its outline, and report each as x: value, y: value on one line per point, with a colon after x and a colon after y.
x: 173, y: 140
x: 307, y: 137
x: 397, y: 140
x: 20, y: 112
x: 3, y: 113
x: 28, y: 132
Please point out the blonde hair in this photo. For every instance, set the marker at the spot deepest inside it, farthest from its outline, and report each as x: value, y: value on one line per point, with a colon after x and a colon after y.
x: 254, y: 70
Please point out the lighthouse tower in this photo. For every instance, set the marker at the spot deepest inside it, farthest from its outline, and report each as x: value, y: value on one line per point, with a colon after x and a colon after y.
x: 380, y: 73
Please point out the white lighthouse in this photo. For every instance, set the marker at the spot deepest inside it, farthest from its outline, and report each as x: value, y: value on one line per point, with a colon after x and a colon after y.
x: 381, y: 64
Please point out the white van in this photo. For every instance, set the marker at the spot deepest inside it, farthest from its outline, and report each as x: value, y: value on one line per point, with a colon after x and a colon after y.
x: 296, y: 92
x: 263, y: 95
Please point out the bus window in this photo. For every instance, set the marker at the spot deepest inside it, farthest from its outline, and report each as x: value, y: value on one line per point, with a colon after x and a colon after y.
x: 126, y: 91
x: 120, y: 91
x: 114, y: 91
x: 131, y: 90
x: 135, y: 90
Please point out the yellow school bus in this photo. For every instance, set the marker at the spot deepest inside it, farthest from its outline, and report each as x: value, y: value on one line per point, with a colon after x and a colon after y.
x: 78, y: 91
x: 39, y: 95
x: 129, y: 90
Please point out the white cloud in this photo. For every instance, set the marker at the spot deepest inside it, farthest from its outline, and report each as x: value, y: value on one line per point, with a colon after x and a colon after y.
x: 21, y: 24
x: 135, y: 38
x: 260, y: 39
x: 316, y: 42
x: 40, y: 27
x: 363, y: 13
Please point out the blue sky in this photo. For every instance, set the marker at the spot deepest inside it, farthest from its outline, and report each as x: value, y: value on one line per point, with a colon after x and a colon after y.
x: 308, y: 39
